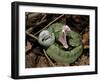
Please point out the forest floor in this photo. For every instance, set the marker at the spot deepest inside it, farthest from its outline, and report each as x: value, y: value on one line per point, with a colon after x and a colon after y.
x: 35, y: 22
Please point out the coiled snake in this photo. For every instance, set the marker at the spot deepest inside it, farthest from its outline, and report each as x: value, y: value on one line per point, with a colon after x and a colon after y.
x: 62, y: 44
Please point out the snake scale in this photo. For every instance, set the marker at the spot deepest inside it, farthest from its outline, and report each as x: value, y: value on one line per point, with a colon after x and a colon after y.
x: 62, y: 44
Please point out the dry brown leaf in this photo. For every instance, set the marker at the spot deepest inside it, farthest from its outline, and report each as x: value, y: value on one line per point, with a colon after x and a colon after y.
x: 28, y: 47
x: 86, y: 39
x: 43, y: 62
x: 30, y: 60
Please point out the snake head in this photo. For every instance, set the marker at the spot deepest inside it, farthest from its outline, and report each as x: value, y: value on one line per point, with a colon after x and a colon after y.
x: 62, y: 38
x: 46, y: 38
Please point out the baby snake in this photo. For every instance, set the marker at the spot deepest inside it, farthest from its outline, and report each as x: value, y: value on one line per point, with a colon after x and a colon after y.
x: 57, y: 47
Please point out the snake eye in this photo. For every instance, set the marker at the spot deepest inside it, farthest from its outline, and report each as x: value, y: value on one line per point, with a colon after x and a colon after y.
x: 45, y: 38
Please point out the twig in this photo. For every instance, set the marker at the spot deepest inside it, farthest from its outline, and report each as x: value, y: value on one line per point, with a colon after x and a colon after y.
x: 50, y: 23
x: 33, y: 15
x: 30, y: 29
x: 43, y: 17
x: 42, y: 21
x: 48, y: 58
x: 83, y: 30
x: 31, y: 35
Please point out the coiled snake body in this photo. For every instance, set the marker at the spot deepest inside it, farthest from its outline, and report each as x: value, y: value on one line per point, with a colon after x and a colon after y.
x: 57, y: 47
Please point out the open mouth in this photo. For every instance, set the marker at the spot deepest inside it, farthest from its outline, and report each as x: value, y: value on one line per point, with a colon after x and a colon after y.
x: 63, y: 38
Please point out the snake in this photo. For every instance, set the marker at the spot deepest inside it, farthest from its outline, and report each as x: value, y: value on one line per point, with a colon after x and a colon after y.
x: 46, y: 38
x: 62, y: 44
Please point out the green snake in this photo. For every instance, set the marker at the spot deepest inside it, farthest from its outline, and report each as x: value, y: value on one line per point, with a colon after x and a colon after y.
x: 62, y: 44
